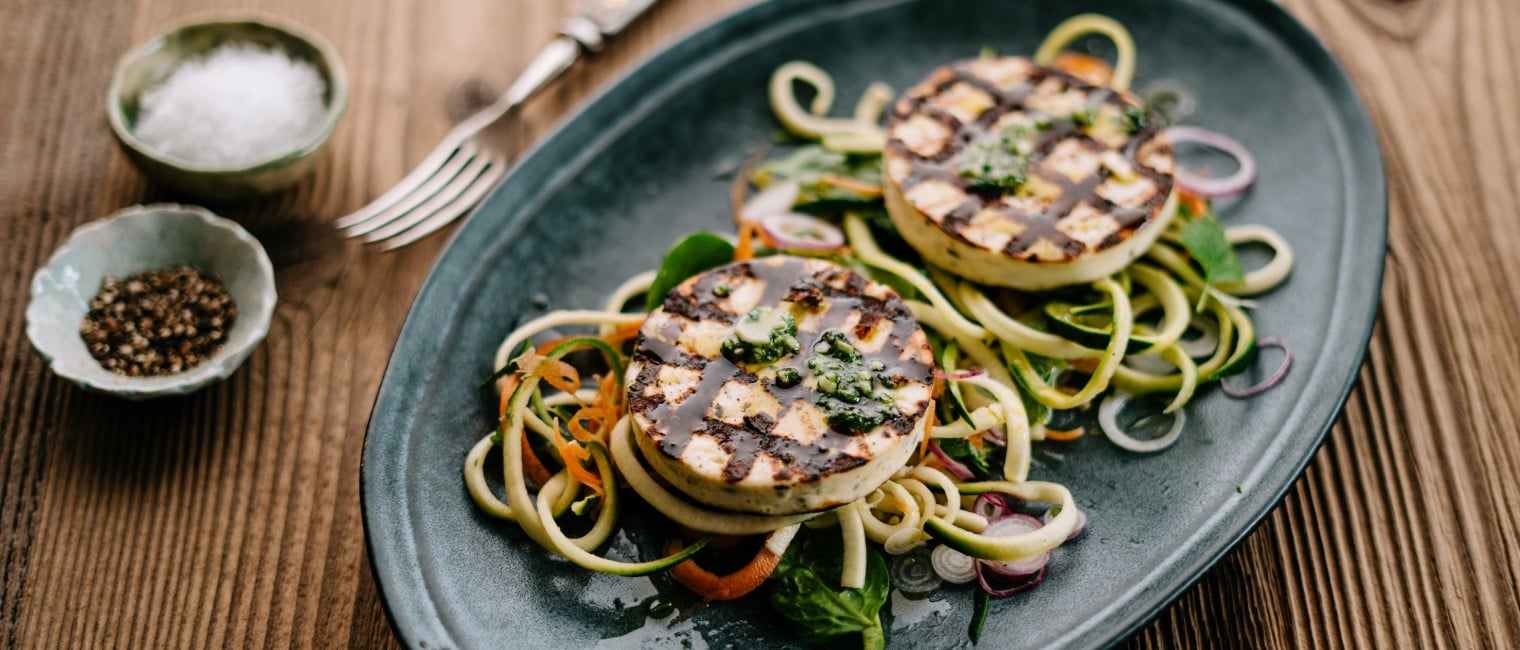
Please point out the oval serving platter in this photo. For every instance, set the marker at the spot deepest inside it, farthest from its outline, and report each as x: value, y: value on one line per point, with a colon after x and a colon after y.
x: 643, y: 163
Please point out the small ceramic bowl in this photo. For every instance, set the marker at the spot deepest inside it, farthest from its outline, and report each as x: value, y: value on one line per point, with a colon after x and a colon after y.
x: 152, y: 62
x: 135, y: 240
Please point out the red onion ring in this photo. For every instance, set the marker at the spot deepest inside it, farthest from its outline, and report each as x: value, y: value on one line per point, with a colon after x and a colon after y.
x: 992, y: 505
x: 954, y: 466
x: 995, y: 436
x: 1282, y: 371
x: 958, y: 376
x: 778, y: 198
x: 1029, y: 582
x: 794, y: 231
x: 1213, y: 188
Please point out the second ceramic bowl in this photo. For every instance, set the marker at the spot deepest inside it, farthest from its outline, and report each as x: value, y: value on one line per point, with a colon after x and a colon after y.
x: 152, y: 62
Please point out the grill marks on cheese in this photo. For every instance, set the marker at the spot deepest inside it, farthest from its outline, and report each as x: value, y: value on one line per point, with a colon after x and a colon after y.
x: 725, y: 423
x: 1073, y: 204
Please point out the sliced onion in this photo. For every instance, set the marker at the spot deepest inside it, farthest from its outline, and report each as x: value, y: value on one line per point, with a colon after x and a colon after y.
x: 1205, y: 186
x: 1007, y: 588
x: 1077, y: 530
x: 959, y: 376
x: 953, y: 566
x: 914, y: 574
x: 995, y: 436
x: 792, y: 231
x: 992, y: 505
x: 1021, y: 569
x: 1206, y: 343
x: 954, y: 466
x: 778, y: 198
x: 1108, y: 420
x: 1282, y: 371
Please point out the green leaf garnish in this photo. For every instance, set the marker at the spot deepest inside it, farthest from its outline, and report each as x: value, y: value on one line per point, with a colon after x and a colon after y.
x: 1204, y: 239
x: 807, y: 594
x: 698, y: 252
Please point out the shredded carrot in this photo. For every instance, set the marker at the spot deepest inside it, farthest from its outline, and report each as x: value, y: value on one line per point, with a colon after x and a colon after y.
x: 557, y: 373
x: 537, y: 473
x: 573, y: 453
x: 708, y: 585
x: 506, y: 392
x: 864, y: 189
x: 1064, y: 436
x: 1086, y: 67
x: 624, y: 332
x: 1196, y: 205
x: 746, y: 248
x: 923, y: 447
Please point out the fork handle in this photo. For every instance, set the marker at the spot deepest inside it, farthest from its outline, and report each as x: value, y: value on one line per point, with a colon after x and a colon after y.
x: 600, y: 19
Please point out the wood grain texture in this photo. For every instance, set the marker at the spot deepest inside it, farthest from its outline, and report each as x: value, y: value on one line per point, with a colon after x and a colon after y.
x: 231, y: 518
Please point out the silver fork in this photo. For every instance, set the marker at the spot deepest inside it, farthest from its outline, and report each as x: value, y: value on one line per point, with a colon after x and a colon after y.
x: 474, y: 154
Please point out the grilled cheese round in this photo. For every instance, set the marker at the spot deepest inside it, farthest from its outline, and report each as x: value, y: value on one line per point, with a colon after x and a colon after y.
x: 780, y: 385
x: 1017, y: 175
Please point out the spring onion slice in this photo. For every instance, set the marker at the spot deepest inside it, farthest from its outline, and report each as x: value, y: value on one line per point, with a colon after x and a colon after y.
x: 953, y: 566
x: 1083, y: 24
x: 1108, y: 420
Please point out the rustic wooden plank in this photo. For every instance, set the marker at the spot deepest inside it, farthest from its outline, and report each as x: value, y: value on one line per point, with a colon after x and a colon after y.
x: 231, y: 518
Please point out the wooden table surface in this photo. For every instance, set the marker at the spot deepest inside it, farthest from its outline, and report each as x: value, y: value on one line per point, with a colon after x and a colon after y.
x: 231, y: 518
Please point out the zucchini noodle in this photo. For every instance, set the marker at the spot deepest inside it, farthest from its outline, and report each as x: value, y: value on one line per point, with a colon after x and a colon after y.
x: 1078, y: 26
x: 1007, y: 361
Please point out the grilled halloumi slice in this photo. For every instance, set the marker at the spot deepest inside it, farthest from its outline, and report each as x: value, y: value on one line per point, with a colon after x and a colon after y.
x: 779, y: 385
x: 1091, y: 192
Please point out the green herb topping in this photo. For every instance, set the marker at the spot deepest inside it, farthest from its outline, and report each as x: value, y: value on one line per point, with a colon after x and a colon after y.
x: 850, y: 400
x: 998, y: 161
x: 764, y: 335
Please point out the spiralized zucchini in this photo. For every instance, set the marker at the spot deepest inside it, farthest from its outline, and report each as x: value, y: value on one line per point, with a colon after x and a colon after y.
x: 1010, y: 359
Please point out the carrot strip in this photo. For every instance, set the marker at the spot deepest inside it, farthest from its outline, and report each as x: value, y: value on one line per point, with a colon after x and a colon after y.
x: 746, y: 248
x: 923, y: 446
x: 1086, y: 67
x: 862, y: 188
x: 573, y: 454
x: 708, y: 585
x: 1195, y: 205
x: 537, y: 473
x: 1064, y: 436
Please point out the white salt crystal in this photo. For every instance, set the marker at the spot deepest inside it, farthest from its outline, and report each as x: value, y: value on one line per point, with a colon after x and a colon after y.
x: 236, y: 106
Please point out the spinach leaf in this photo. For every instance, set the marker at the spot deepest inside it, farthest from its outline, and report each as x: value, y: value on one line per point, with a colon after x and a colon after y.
x: 1204, y: 240
x: 698, y: 252
x: 806, y: 592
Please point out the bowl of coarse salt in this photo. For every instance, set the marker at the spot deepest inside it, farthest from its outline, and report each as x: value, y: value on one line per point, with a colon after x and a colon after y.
x: 228, y: 106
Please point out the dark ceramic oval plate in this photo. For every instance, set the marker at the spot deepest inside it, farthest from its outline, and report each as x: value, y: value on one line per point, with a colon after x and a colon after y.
x: 603, y: 197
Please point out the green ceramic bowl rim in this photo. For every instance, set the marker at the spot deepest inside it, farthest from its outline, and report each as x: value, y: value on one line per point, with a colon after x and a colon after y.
x: 335, y: 76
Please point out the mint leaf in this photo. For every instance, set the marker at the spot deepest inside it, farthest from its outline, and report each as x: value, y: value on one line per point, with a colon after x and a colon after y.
x: 1204, y: 240
x: 698, y: 252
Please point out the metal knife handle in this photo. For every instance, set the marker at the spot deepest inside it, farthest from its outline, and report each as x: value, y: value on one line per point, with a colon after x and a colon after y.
x: 600, y: 19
